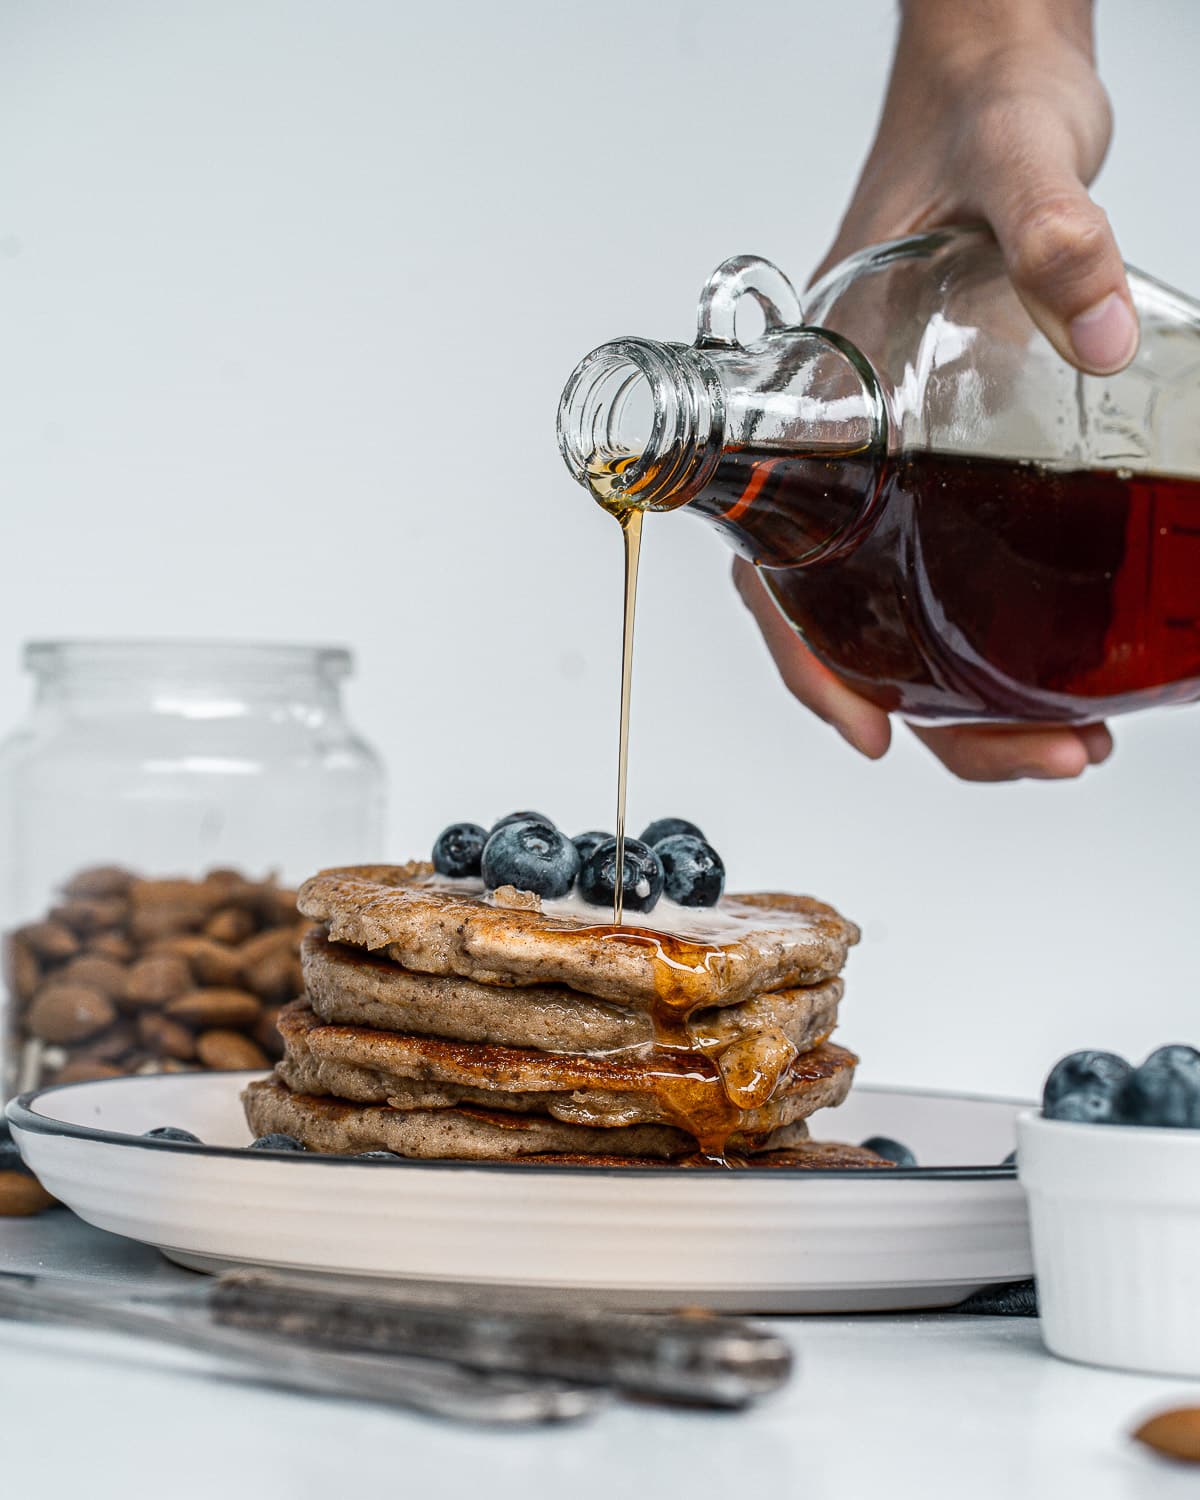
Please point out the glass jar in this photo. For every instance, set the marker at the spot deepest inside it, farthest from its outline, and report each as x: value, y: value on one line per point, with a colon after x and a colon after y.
x: 157, y: 805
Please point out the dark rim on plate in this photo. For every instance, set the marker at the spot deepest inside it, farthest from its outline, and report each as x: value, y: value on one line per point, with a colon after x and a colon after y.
x: 20, y: 1112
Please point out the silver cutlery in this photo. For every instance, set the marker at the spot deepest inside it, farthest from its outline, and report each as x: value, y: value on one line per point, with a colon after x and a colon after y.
x: 431, y: 1386
x: 455, y: 1355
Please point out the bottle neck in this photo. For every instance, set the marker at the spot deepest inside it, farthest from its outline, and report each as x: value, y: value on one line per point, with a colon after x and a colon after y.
x: 641, y: 424
x: 779, y: 444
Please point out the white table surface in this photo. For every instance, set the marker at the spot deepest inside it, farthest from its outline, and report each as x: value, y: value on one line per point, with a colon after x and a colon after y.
x: 920, y: 1405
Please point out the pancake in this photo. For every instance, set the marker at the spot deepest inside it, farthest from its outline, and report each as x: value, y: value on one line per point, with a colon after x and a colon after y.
x: 470, y: 1133
x: 745, y: 946
x: 806, y: 1156
x: 660, y: 1087
x: 751, y: 1042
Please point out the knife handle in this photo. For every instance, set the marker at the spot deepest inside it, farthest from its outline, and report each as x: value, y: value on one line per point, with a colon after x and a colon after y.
x: 698, y: 1358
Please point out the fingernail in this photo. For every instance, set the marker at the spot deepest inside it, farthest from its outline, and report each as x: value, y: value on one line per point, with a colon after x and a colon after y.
x: 1105, y: 337
x: 861, y: 743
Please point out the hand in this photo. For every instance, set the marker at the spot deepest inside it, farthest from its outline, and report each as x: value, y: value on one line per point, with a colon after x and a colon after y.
x: 994, y: 112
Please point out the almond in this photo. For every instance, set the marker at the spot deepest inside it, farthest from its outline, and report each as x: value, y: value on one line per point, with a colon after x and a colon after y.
x: 164, y: 908
x: 98, y: 973
x: 280, y: 905
x: 276, y: 977
x: 229, y: 1051
x: 232, y: 924
x: 224, y: 884
x: 114, y: 945
x: 101, y: 880
x: 22, y: 971
x: 266, y: 1032
x: 87, y: 914
x: 210, y: 962
x: 156, y: 979
x: 165, y: 1037
x: 215, y: 1007
x: 87, y: 1070
x: 1175, y: 1434
x: 69, y: 1012
x: 22, y: 1194
x: 50, y: 939
x: 107, y: 1046
x: 267, y: 944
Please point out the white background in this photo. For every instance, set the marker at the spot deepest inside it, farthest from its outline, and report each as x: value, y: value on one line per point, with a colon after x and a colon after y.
x: 288, y: 292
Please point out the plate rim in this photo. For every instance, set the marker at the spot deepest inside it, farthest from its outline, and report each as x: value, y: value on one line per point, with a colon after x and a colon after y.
x: 20, y: 1112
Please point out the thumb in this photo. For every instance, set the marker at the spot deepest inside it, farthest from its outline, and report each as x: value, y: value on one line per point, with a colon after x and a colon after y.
x: 1063, y: 260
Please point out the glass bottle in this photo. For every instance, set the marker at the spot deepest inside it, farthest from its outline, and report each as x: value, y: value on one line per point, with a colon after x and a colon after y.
x: 156, y: 806
x: 960, y: 524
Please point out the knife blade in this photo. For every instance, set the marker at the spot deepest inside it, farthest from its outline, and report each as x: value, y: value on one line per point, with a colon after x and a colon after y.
x: 432, y: 1386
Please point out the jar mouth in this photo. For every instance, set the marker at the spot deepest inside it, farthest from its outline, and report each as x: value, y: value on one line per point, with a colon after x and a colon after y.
x: 188, y: 659
x: 640, y: 423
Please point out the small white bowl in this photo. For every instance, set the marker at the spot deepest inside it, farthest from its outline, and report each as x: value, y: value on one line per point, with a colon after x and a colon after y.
x: 1115, y: 1217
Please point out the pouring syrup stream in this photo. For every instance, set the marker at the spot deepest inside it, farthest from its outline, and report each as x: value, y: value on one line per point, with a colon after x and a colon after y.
x: 630, y: 520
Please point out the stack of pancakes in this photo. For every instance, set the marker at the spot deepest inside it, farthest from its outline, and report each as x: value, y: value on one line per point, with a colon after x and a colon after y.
x: 441, y: 1021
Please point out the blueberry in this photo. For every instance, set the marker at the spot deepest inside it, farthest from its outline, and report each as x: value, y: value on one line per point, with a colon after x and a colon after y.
x: 693, y: 874
x: 890, y: 1150
x: 458, y: 849
x: 665, y: 828
x: 277, y: 1142
x: 641, y: 875
x: 532, y: 856
x: 521, y: 817
x: 1165, y: 1090
x: 1086, y: 1086
x: 586, y: 842
x: 377, y: 1156
x: 172, y: 1133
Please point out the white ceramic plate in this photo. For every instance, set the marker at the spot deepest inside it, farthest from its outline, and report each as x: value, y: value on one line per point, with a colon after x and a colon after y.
x: 767, y: 1241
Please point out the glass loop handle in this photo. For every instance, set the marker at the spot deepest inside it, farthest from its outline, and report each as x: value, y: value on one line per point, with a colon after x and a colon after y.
x: 744, y: 276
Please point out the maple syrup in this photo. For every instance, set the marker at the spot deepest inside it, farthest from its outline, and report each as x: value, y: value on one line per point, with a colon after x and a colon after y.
x: 976, y: 588
x: 630, y: 520
x: 988, y: 588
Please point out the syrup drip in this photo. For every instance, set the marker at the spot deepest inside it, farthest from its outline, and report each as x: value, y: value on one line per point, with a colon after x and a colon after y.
x: 695, y: 1096
x: 708, y: 1100
x: 630, y: 521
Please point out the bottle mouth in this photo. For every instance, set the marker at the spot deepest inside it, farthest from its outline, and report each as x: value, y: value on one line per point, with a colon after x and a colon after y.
x: 640, y: 423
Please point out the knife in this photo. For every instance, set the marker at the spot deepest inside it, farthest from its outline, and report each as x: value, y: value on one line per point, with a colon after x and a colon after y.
x: 692, y: 1357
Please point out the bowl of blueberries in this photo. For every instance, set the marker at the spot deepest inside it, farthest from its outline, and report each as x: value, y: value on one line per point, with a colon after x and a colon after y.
x: 1111, y: 1168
